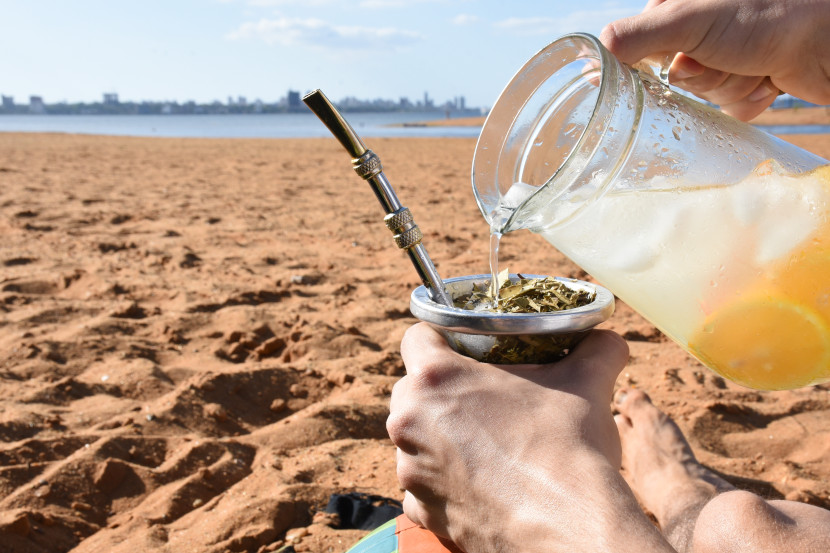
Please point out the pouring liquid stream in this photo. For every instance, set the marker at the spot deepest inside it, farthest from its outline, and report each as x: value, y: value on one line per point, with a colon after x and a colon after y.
x: 495, y: 238
x: 498, y: 217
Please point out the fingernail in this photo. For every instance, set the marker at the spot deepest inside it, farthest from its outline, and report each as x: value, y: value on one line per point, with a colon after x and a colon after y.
x: 762, y: 92
x: 684, y: 67
x: 620, y: 396
x: 681, y: 74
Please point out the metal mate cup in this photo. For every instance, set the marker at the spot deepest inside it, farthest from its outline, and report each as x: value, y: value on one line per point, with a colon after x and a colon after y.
x: 511, y: 338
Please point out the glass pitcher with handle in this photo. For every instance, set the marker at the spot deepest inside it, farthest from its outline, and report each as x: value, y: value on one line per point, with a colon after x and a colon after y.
x: 716, y: 232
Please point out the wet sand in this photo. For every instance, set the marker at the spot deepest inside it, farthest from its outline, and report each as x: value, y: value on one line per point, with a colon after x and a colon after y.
x: 198, y: 339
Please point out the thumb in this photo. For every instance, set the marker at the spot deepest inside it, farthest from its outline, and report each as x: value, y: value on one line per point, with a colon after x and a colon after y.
x: 666, y: 28
x: 594, y: 364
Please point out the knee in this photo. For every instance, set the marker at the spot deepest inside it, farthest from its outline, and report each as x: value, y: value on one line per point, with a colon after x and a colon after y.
x: 736, y: 521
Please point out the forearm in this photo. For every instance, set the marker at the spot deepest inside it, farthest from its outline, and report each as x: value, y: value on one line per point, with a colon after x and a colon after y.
x: 590, y: 510
x: 611, y: 518
x: 626, y: 526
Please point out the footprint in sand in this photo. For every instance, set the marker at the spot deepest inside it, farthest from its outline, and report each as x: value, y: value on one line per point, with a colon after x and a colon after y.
x: 789, y: 437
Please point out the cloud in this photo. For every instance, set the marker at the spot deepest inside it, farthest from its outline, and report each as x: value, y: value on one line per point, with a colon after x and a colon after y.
x: 287, y: 31
x: 464, y: 19
x: 372, y: 4
x: 584, y: 20
x: 275, y: 3
x: 380, y: 4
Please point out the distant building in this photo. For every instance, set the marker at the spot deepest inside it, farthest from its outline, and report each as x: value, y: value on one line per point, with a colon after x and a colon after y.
x: 36, y: 104
x: 8, y: 102
x: 294, y: 100
x: 242, y: 101
x: 110, y: 99
x: 427, y: 101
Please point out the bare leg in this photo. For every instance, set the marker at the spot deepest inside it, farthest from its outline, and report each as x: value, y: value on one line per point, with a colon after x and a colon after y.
x: 697, y: 510
x: 661, y: 468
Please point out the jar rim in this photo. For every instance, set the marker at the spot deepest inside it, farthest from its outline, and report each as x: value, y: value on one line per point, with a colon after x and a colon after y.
x: 460, y: 320
x: 504, y: 122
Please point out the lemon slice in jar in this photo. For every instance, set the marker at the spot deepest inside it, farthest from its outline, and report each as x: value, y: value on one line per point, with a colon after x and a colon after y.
x: 765, y: 342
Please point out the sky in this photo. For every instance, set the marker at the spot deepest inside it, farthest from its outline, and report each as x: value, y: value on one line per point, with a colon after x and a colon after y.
x: 207, y: 50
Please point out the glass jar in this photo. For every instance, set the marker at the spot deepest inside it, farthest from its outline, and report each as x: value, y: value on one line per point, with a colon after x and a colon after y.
x: 716, y: 232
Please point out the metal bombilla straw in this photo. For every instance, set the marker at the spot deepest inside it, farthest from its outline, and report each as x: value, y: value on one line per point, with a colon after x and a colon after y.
x: 398, y: 218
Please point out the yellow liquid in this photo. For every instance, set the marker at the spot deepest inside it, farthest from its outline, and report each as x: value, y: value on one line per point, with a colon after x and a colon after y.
x: 738, y: 275
x: 776, y: 333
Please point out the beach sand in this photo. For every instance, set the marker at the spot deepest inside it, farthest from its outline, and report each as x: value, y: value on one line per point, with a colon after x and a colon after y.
x: 198, y: 339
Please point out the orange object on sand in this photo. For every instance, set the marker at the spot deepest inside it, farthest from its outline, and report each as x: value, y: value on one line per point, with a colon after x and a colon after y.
x: 401, y: 535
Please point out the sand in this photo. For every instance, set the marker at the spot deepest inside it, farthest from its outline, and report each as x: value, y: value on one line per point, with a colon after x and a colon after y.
x: 794, y: 116
x: 198, y: 339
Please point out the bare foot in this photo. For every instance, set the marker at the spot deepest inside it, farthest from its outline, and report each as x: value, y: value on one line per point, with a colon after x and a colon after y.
x: 661, y: 468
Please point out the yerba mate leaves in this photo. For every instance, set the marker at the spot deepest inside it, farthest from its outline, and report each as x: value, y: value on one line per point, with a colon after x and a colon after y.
x: 526, y: 295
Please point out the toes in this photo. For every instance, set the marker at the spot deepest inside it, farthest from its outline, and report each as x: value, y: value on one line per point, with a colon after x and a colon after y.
x: 640, y: 423
x: 619, y: 396
x: 636, y: 406
x: 623, y: 424
x: 628, y: 399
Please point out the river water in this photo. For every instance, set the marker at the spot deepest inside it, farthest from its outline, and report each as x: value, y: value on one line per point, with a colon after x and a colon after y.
x: 276, y: 125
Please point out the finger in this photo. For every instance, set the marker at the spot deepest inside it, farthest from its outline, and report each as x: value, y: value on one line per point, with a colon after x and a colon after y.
x: 695, y: 77
x: 739, y: 96
x: 422, y: 345
x: 411, y: 475
x: 428, y: 514
x: 399, y: 392
x: 402, y: 426
x: 430, y: 361
x: 756, y: 102
x: 683, y: 67
x: 733, y: 88
x: 596, y: 362
x: 666, y: 27
x: 600, y: 347
x: 412, y: 508
x: 742, y: 97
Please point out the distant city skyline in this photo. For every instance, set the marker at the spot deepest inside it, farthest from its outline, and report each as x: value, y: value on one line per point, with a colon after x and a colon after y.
x: 292, y: 98
x: 208, y: 50
x: 110, y: 103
